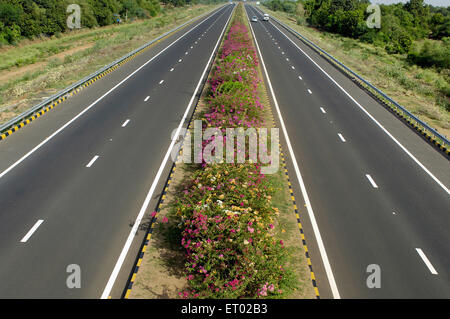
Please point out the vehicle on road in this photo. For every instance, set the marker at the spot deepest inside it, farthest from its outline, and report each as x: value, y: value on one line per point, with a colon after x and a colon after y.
x: 254, y: 19
x: 266, y: 17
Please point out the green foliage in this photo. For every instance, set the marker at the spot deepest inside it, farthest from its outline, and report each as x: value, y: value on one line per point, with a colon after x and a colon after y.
x: 431, y: 53
x: 27, y: 18
x: 232, y: 86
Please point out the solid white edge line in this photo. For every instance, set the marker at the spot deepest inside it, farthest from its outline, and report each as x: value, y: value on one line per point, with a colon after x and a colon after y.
x: 146, y: 99
x: 125, y: 123
x: 100, y: 98
x: 374, y: 185
x: 426, y: 261
x: 149, y: 196
x: 92, y: 161
x: 309, y: 208
x: 370, y: 116
x: 341, y: 137
x: 31, y: 231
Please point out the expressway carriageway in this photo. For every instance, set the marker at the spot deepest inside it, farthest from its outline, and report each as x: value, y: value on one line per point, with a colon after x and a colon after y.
x: 77, y: 186
x: 372, y: 191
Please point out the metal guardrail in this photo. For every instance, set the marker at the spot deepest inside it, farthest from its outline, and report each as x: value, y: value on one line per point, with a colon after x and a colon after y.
x: 67, y: 90
x: 411, y: 118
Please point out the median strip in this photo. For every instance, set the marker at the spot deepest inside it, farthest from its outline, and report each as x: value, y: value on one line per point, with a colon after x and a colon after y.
x: 235, y: 239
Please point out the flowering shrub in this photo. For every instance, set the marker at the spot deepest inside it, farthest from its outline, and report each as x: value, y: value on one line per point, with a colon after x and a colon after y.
x: 226, y: 218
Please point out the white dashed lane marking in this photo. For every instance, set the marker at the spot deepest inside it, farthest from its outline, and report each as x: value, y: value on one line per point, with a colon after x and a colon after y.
x: 31, y: 231
x: 426, y: 261
x: 374, y: 185
x: 92, y: 161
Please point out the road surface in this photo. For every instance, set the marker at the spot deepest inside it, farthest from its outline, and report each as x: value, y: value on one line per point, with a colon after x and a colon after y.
x: 73, y: 183
x: 372, y: 202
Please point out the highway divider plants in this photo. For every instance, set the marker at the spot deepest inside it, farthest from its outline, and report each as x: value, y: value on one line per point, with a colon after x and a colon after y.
x: 225, y: 216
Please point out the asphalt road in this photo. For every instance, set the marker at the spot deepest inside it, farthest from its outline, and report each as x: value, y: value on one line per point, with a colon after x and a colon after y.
x: 77, y: 188
x: 73, y: 182
x: 373, y: 203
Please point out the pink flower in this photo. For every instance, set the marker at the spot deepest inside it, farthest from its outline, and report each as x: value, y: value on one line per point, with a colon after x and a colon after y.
x: 164, y: 220
x: 153, y: 214
x: 251, y: 230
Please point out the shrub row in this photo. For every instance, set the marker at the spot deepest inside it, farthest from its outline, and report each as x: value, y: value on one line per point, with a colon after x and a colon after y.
x: 225, y: 215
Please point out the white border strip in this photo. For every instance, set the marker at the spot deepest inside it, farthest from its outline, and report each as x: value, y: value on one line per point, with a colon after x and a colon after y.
x: 312, y: 217
x: 144, y: 207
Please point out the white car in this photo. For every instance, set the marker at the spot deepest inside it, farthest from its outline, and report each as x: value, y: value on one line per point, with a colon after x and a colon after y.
x: 254, y: 19
x: 266, y: 17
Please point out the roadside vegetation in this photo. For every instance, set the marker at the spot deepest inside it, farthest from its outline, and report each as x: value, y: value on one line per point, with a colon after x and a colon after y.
x: 408, y: 57
x: 29, y: 19
x: 36, y: 68
x: 228, y: 231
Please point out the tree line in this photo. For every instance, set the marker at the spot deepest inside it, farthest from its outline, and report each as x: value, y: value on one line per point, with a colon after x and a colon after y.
x: 30, y: 18
x: 401, y: 26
